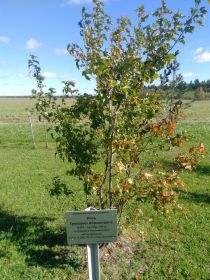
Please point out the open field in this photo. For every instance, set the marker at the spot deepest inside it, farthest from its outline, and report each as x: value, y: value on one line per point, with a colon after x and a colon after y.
x: 16, y: 110
x: 198, y: 111
x: 32, y: 230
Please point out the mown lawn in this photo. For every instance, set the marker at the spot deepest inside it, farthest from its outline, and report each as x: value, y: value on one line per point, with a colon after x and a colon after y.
x: 32, y: 229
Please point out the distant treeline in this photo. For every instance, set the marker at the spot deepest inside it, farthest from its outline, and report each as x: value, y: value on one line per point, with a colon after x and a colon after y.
x: 199, y: 90
x: 196, y: 89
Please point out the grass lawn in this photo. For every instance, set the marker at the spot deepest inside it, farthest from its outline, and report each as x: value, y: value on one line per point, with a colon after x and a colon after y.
x: 32, y: 230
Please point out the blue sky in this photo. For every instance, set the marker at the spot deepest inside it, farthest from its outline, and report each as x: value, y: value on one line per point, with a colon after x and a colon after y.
x: 45, y: 27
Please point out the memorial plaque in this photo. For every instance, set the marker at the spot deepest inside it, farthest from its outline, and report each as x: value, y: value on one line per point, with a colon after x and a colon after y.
x: 91, y: 227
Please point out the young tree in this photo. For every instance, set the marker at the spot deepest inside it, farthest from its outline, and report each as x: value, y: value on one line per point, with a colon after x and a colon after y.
x: 113, y: 136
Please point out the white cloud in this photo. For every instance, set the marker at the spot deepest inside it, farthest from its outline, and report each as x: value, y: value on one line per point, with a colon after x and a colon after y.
x: 4, y: 40
x: 61, y: 51
x: 202, y: 57
x: 9, y: 89
x: 65, y: 3
x: 75, y: 2
x: 32, y: 44
x: 188, y: 75
x: 198, y: 50
x: 22, y: 75
x: 5, y: 75
x: 51, y: 75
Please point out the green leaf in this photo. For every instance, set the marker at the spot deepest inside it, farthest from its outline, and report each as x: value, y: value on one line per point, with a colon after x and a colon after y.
x: 199, y: 22
x: 155, y: 76
x: 169, y: 57
x: 85, y: 75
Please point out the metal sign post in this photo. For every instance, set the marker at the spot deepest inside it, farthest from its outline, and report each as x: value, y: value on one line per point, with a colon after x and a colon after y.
x: 93, y: 258
x: 93, y: 262
x: 92, y: 227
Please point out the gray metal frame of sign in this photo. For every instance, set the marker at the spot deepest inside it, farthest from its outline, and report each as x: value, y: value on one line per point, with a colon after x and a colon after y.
x: 91, y: 227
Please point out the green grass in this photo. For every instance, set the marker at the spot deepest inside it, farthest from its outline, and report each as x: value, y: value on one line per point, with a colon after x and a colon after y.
x: 32, y: 226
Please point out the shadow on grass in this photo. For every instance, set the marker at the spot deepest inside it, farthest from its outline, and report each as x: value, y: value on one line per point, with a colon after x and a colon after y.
x: 41, y: 245
x: 201, y: 170
x: 195, y: 197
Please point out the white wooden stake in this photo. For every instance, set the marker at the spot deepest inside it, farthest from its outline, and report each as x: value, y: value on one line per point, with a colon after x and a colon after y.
x: 93, y: 258
x: 46, y: 136
x: 32, y: 133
